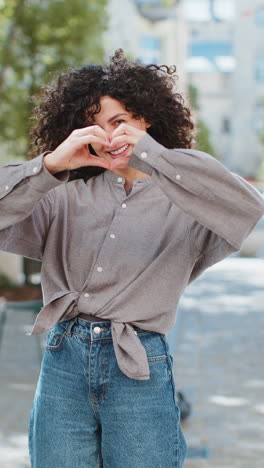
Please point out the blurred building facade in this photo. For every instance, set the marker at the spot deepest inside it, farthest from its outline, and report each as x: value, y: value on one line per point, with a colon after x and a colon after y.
x: 248, y: 87
x: 153, y: 31
x: 210, y: 66
x: 226, y: 64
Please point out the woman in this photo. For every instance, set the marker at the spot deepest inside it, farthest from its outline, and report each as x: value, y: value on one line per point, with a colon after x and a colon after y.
x: 122, y: 220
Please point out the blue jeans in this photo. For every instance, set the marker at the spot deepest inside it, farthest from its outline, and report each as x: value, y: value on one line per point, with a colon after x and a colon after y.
x: 87, y: 414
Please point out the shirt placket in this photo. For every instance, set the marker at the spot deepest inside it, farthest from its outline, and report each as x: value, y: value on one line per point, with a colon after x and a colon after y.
x: 106, y: 255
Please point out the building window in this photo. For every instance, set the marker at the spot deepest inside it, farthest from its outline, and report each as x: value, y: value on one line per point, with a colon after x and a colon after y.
x: 150, y: 49
x: 195, y: 33
x: 259, y: 18
x: 259, y: 67
x: 258, y: 118
x: 226, y: 125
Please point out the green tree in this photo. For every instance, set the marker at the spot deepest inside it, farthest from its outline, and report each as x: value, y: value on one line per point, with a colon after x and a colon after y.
x: 203, y: 142
x: 202, y: 139
x: 38, y: 40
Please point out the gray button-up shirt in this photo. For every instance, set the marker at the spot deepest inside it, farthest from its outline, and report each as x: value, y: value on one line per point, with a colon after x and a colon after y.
x: 125, y: 258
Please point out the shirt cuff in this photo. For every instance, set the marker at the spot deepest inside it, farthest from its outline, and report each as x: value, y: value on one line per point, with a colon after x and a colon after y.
x: 40, y: 178
x: 145, y: 154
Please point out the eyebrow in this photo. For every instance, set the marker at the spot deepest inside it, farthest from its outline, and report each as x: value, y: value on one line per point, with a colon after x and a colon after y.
x: 115, y: 116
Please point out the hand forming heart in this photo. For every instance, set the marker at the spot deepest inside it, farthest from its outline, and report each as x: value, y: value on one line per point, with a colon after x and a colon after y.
x: 74, y: 152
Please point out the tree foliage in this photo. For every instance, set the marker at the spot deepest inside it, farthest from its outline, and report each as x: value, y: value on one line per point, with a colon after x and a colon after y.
x: 202, y: 139
x: 38, y: 40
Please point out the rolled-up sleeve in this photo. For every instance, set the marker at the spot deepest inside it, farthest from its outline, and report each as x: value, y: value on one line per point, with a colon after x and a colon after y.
x: 201, y: 186
x: 26, y: 203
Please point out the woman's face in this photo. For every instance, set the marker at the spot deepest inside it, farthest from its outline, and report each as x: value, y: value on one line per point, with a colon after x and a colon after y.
x: 111, y: 115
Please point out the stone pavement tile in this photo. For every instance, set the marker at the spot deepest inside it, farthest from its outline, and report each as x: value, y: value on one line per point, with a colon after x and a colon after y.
x: 196, y: 464
x: 13, y: 451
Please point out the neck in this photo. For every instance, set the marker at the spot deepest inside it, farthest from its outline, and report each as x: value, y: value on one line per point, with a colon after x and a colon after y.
x: 129, y: 175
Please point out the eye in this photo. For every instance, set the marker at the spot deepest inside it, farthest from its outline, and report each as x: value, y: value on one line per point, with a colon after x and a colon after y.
x: 118, y: 122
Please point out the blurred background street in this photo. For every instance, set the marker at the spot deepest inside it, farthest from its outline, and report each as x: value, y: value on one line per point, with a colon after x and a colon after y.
x: 217, y: 342
x: 217, y: 345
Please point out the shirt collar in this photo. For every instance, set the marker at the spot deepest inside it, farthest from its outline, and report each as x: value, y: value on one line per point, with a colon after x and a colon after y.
x: 112, y: 177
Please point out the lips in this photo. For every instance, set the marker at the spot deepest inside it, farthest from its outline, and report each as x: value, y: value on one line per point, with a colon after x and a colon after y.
x: 119, y: 152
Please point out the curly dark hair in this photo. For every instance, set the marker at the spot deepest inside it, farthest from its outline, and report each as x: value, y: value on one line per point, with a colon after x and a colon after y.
x: 146, y: 90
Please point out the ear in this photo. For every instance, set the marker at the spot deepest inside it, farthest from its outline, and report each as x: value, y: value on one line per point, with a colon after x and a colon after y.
x: 143, y: 120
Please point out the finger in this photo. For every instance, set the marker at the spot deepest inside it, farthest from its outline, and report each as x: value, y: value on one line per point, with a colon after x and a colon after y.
x: 92, y: 160
x: 122, y: 129
x: 97, y: 161
x: 121, y: 140
x: 91, y: 129
x: 89, y: 139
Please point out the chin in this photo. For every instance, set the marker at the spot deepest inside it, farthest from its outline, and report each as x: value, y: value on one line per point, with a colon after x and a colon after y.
x: 123, y: 166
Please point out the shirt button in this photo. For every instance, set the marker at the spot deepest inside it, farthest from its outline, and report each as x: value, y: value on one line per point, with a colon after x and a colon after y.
x: 143, y: 155
x: 86, y: 294
x: 35, y: 169
x: 99, y: 269
x: 112, y: 236
x: 178, y: 177
x: 7, y: 187
x: 97, y: 330
x: 119, y: 179
x: 123, y: 205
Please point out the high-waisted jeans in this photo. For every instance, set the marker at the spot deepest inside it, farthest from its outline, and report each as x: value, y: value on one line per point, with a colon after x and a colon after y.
x: 87, y: 414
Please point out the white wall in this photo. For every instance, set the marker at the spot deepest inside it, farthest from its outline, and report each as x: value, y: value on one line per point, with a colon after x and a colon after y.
x: 12, y: 266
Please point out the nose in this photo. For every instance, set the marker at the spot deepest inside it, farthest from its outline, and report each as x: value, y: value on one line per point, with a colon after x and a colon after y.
x: 109, y: 132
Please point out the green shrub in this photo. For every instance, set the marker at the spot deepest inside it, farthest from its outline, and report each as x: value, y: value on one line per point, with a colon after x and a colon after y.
x: 6, y: 282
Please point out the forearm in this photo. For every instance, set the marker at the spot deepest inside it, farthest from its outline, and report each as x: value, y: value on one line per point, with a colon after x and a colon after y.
x: 22, y: 185
x: 202, y: 187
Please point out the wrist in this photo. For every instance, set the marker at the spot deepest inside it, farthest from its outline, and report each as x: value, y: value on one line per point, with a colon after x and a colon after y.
x: 48, y: 161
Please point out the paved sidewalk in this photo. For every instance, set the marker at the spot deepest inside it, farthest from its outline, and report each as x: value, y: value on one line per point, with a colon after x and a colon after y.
x: 218, y: 359
x: 19, y: 367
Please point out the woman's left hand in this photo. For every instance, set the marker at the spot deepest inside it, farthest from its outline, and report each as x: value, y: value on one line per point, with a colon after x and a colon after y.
x: 123, y: 135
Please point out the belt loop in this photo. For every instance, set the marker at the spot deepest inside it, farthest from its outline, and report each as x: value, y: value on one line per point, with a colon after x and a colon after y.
x: 69, y: 327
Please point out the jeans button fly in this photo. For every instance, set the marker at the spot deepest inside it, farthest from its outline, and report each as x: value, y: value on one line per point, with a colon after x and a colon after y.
x: 97, y: 330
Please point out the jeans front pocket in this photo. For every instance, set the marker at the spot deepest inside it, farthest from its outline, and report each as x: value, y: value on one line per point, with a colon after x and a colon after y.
x: 154, y: 345
x: 56, y: 338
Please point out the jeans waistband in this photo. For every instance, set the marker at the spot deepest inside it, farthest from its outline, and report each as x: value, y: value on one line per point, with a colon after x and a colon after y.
x: 97, y: 329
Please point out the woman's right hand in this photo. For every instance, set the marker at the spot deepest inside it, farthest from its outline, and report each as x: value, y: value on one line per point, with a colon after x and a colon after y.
x: 74, y: 152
